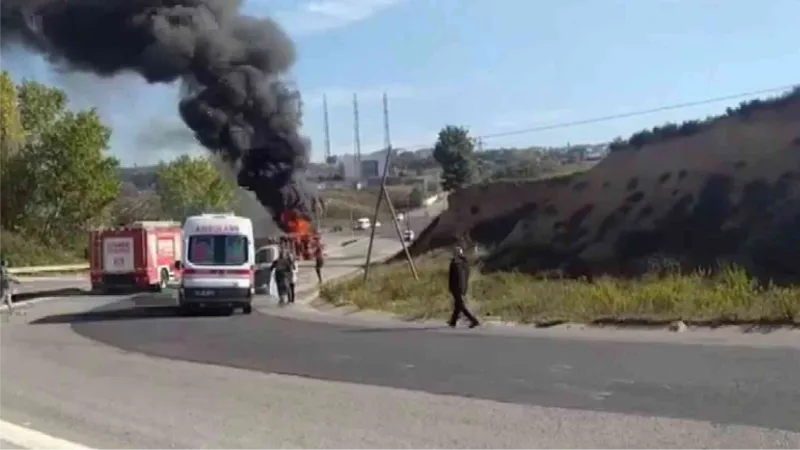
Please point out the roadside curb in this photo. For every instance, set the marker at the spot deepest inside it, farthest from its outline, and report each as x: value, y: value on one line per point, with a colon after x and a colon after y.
x: 672, y: 327
x: 348, y: 242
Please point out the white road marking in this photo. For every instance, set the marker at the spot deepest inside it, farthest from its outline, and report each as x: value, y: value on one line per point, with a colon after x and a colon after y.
x: 25, y: 304
x: 32, y: 439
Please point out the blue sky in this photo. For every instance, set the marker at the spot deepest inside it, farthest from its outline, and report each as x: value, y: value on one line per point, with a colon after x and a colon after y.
x: 494, y: 66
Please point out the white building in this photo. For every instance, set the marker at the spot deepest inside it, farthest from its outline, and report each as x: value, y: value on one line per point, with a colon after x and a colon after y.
x: 372, y: 165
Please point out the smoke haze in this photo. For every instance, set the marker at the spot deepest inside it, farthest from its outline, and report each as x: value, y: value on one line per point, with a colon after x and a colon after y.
x: 231, y: 66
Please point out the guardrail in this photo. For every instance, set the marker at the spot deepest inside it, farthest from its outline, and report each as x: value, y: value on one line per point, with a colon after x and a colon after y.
x: 45, y: 269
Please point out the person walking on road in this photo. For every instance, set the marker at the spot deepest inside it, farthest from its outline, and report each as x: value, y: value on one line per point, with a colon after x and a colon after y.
x: 318, y: 263
x: 5, y: 286
x: 282, y: 268
x: 458, y: 284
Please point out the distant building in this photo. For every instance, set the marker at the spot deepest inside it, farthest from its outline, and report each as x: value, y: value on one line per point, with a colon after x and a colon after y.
x: 371, y: 165
x: 370, y: 169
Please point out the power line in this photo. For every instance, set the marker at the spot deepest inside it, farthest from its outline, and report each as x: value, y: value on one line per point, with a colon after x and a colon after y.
x: 628, y: 114
x: 639, y: 113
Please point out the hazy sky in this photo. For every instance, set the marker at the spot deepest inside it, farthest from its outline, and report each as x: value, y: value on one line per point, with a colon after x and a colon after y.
x: 494, y: 66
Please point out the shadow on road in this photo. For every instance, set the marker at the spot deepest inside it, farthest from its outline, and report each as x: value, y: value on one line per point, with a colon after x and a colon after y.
x: 408, y: 329
x: 109, y: 315
x: 62, y: 292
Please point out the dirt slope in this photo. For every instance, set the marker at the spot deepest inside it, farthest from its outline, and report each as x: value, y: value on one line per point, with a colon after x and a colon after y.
x: 697, y: 199
x: 728, y: 192
x: 486, y: 213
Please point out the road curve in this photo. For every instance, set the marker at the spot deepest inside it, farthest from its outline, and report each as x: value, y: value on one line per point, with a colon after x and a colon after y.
x: 726, y: 385
x: 503, y: 392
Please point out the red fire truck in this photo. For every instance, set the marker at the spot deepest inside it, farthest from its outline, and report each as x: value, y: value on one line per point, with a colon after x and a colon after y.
x: 141, y: 255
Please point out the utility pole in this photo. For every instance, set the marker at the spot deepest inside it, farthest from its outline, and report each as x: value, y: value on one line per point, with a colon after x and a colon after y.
x: 385, y: 195
x: 327, y: 129
x: 356, y: 137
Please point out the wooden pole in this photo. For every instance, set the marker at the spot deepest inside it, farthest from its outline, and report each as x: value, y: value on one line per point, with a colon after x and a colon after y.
x: 384, y: 194
x: 377, y: 208
x: 400, y: 235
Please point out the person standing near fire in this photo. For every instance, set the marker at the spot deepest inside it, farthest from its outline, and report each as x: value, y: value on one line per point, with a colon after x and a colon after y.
x: 318, y: 262
x: 293, y: 278
x: 282, y: 270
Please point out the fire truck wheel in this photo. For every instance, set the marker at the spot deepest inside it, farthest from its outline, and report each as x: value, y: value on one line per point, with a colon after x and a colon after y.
x: 247, y: 308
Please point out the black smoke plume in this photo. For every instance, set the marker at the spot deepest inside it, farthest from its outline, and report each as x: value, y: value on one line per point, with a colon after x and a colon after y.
x: 231, y: 66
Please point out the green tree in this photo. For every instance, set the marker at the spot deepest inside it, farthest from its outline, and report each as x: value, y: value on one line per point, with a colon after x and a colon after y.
x: 60, y: 181
x: 455, y: 153
x: 133, y: 205
x: 12, y: 139
x: 416, y: 197
x: 189, y: 186
x: 12, y: 134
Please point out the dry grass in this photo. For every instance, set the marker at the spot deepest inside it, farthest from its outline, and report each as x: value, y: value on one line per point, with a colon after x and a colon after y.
x: 729, y: 297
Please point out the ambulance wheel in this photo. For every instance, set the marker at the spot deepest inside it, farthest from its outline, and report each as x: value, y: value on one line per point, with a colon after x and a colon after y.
x: 247, y: 308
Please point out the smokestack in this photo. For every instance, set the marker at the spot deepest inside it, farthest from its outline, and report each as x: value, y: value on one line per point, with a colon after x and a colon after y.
x: 357, y: 137
x: 327, y: 129
x: 235, y: 98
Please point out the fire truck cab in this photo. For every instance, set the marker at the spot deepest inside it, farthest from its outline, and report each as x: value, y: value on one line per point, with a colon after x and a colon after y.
x: 217, y: 263
x: 141, y: 255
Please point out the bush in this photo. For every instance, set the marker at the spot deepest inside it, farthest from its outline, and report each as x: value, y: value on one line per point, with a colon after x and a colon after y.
x: 730, y: 296
x: 19, y: 251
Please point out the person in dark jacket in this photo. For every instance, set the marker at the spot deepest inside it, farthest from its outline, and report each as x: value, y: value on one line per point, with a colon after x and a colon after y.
x: 318, y: 263
x: 458, y: 284
x: 282, y: 267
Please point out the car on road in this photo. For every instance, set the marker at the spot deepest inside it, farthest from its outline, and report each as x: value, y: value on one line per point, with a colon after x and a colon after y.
x: 365, y: 223
x: 408, y: 235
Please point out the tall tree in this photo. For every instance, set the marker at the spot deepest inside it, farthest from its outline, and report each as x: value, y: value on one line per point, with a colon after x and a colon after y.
x: 455, y: 152
x: 193, y: 185
x: 12, y: 135
x: 133, y: 205
x: 61, y: 180
x: 12, y: 138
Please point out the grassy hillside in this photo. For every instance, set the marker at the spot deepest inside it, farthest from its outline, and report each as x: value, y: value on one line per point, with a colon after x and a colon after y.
x: 726, y: 189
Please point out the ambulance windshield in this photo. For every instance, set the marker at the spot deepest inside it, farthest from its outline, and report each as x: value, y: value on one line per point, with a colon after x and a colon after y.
x: 218, y: 250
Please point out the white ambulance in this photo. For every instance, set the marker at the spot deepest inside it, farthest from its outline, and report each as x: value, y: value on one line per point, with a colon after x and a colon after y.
x: 217, y: 263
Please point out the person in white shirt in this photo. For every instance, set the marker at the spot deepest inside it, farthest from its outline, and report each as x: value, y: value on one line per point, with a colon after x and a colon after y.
x: 293, y: 279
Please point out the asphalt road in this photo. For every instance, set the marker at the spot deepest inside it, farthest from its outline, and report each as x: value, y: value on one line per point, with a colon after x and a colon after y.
x: 32, y: 287
x: 722, y: 385
x: 96, y: 371
x: 417, y: 220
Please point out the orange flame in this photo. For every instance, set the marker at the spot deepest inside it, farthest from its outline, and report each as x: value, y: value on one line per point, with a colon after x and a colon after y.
x: 295, y: 223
